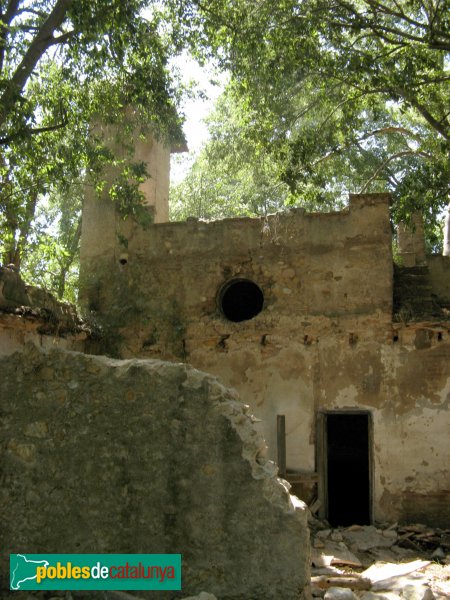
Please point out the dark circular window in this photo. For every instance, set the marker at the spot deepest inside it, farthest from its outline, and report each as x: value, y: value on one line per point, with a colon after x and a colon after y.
x: 241, y: 300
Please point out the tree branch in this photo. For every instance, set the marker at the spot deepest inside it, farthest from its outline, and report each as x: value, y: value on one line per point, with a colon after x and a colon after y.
x: 24, y: 230
x: 433, y: 44
x: 440, y: 127
x: 69, y: 258
x: 6, y: 19
x: 10, y: 138
x: 357, y: 142
x: 31, y: 11
x: 391, y: 129
x: 42, y: 41
x: 388, y: 11
x: 61, y: 39
x: 390, y: 159
x: 434, y: 39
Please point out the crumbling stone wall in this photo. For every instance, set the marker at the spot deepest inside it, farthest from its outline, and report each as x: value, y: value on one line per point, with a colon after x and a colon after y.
x: 30, y: 314
x: 439, y: 272
x: 316, y: 271
x: 324, y: 340
x: 142, y: 456
x: 403, y: 382
x: 411, y: 241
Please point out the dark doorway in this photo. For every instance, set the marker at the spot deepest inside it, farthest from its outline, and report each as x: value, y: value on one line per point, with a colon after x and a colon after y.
x: 348, y: 468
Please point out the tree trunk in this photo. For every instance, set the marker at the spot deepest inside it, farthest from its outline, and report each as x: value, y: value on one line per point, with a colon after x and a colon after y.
x: 30, y: 210
x: 69, y: 260
x: 39, y: 45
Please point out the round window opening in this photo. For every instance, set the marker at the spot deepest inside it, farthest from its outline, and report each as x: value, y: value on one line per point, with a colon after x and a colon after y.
x: 241, y: 300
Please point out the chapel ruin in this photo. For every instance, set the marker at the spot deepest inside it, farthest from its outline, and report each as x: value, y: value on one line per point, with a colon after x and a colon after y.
x: 303, y: 315
x: 342, y: 357
x: 135, y: 456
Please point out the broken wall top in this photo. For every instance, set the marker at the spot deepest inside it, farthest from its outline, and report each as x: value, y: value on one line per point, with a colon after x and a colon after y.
x: 27, y: 313
x: 332, y: 266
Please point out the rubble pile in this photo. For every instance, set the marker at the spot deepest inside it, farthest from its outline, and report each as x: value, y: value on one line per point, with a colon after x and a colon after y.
x: 380, y: 563
x: 420, y: 538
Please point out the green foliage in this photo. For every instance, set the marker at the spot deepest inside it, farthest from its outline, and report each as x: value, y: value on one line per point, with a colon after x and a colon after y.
x: 324, y: 99
x: 63, y: 66
x: 351, y: 96
x: 231, y: 176
x: 50, y: 258
x: 236, y: 174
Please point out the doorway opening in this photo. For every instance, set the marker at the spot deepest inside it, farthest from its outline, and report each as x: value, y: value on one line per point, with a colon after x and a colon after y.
x: 348, y: 474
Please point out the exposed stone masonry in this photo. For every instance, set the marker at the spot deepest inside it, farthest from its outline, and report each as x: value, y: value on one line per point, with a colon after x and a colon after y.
x: 141, y: 456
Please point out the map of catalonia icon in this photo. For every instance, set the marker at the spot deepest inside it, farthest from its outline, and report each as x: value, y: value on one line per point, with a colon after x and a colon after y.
x: 23, y: 569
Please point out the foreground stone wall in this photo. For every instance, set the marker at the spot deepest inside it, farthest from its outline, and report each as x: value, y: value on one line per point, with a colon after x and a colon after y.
x: 142, y: 456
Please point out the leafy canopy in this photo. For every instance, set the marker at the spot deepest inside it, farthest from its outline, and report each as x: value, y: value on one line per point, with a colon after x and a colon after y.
x: 64, y: 63
x: 325, y: 97
x: 348, y: 95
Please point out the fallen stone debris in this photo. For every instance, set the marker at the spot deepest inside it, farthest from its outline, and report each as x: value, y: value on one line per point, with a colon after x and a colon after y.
x: 390, y: 562
x: 384, y: 562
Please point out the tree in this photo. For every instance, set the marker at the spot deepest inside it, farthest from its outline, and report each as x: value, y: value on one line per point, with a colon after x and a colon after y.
x: 62, y: 63
x: 352, y: 94
x: 325, y: 95
x: 232, y: 176
x: 52, y: 249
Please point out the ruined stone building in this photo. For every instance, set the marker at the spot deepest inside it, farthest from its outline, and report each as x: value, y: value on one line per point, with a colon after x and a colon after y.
x: 296, y: 312
x: 100, y: 455
x: 305, y: 317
